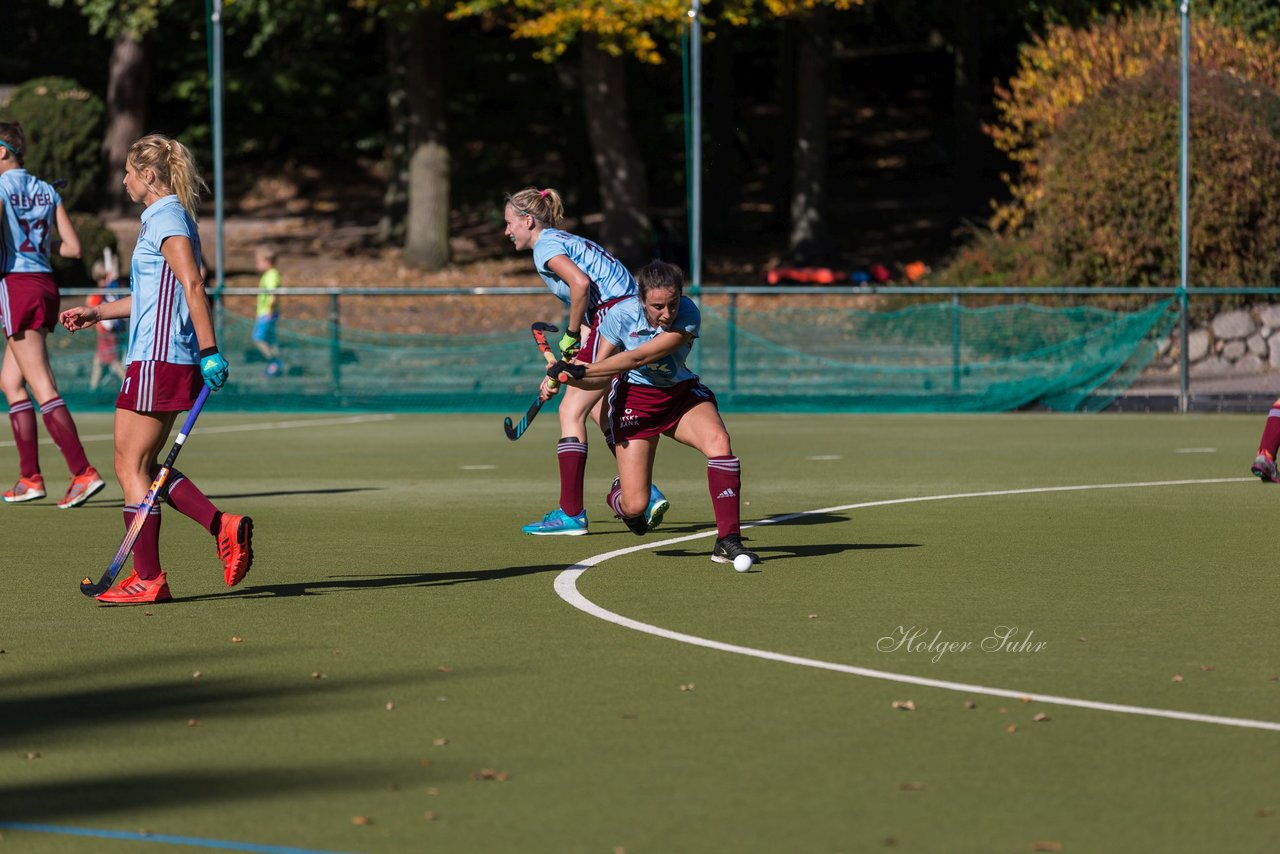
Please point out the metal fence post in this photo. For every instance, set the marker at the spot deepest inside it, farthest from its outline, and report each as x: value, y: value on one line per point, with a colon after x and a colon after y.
x: 335, y: 342
x: 955, y: 343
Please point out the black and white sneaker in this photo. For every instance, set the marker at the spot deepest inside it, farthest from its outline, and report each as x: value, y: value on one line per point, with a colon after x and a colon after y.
x: 728, y: 548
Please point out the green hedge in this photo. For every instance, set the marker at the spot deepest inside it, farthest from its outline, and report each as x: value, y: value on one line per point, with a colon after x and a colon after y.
x: 64, y: 124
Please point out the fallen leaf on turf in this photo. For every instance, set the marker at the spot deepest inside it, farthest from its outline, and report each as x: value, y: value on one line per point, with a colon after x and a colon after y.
x: 618, y: 849
x: 813, y: 616
x: 193, y: 722
x: 1207, y: 667
x: 1041, y: 717
x: 393, y: 787
x: 1082, y: 639
x: 1011, y: 728
x: 1003, y: 710
x: 911, y: 787
x: 390, y: 706
x: 440, y: 742
x: 196, y: 675
x: 490, y: 774
x: 970, y: 704
x: 904, y: 705
x: 147, y: 614
x: 1265, y: 812
x: 1177, y: 677
x: 431, y: 815
x: 688, y: 687
x: 444, y: 668
x: 424, y: 763
x: 316, y: 674
x: 1024, y: 699
x: 433, y: 791
x: 361, y: 819
x: 33, y: 755
x: 237, y: 639
x: 1047, y: 846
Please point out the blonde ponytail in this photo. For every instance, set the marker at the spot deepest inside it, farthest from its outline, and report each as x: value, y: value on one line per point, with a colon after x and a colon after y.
x: 174, y: 167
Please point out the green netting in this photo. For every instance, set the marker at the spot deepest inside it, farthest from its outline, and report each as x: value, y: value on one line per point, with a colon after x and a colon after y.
x: 937, y: 357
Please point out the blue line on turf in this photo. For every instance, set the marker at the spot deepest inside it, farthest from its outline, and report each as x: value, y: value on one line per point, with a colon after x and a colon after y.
x: 160, y: 837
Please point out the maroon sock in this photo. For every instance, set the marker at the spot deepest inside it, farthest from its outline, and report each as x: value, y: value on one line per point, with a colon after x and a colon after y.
x: 62, y: 429
x: 187, y: 499
x: 724, y: 482
x: 146, y: 549
x: 22, y: 418
x: 571, y: 453
x: 1271, y: 432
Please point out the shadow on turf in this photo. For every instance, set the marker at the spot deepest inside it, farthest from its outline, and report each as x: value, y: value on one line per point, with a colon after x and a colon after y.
x: 278, y: 493
x: 775, y: 553
x: 78, y: 713
x: 104, y: 795
x: 354, y: 583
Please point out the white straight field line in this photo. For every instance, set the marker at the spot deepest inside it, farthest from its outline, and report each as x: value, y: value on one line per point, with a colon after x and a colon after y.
x: 566, y: 586
x: 245, y: 428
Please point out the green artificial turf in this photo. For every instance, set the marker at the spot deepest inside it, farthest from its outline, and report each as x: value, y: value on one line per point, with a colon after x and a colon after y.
x: 397, y: 673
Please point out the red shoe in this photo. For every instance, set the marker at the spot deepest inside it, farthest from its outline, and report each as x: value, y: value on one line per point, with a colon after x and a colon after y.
x: 26, y: 489
x: 135, y: 591
x: 235, y: 547
x: 83, y: 487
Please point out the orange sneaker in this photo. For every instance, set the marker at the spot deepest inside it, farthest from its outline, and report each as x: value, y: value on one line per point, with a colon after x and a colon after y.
x: 26, y: 489
x: 135, y: 591
x: 235, y: 547
x: 82, y: 488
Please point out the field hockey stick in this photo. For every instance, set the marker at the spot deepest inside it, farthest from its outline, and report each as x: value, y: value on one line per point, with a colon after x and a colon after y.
x: 540, y: 331
x: 87, y: 586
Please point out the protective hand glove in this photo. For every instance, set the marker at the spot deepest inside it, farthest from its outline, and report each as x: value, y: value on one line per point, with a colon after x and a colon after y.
x: 569, y: 345
x: 573, y: 370
x: 213, y: 368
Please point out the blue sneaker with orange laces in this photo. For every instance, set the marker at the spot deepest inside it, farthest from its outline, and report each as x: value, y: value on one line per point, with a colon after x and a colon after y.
x: 558, y: 523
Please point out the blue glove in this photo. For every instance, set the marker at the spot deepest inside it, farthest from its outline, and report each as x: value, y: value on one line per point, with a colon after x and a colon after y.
x: 213, y: 368
x: 569, y: 345
x: 575, y: 371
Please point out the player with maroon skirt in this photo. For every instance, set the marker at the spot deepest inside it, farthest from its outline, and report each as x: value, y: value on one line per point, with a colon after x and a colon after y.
x: 172, y: 350
x: 642, y: 355
x: 30, y: 209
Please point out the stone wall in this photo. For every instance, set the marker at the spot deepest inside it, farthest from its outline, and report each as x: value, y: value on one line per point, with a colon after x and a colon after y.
x: 1243, y: 341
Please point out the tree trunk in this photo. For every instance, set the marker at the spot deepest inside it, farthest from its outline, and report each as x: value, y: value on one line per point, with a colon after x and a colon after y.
x: 624, y: 190
x: 129, y: 78
x: 427, y: 227
x: 809, y: 240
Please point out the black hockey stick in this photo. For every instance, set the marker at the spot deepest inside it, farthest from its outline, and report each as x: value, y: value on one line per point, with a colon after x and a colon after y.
x: 540, y: 331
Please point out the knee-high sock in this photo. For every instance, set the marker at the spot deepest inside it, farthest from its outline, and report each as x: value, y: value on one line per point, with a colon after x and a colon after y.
x: 571, y: 453
x: 146, y: 549
x: 22, y: 418
x: 724, y: 482
x: 185, y: 497
x: 62, y: 429
x: 1271, y: 432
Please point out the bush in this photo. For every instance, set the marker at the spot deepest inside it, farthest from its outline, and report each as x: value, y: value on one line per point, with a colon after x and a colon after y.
x: 1109, y: 213
x: 1066, y: 67
x: 94, y: 237
x: 993, y: 259
x: 63, y: 123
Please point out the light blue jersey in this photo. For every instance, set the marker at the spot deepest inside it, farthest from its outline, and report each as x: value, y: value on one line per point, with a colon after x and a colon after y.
x: 29, y: 208
x: 610, y: 279
x: 625, y: 325
x: 160, y: 328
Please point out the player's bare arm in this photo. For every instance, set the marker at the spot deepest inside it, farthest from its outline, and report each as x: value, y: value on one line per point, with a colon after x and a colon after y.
x: 181, y: 257
x: 579, y: 290
x: 84, y: 316
x: 70, y: 246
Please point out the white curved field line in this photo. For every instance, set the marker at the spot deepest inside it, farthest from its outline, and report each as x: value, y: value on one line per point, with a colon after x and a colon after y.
x: 567, y: 581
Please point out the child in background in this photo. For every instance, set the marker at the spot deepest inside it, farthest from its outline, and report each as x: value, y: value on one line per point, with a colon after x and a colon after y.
x: 264, y: 327
x: 107, y: 354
